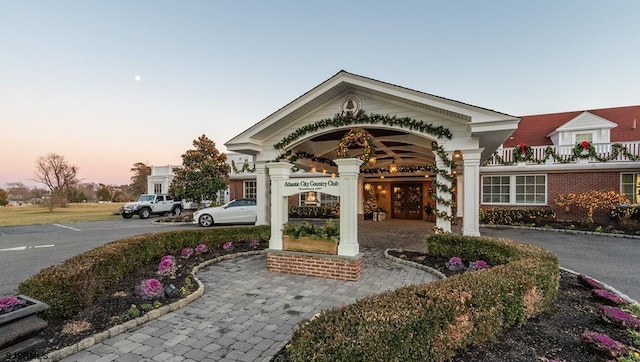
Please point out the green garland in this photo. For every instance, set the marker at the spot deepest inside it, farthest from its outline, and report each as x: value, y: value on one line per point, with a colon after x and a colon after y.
x: 358, y: 138
x: 580, y: 151
x: 445, y: 173
x: 519, y: 155
x: 349, y: 119
x: 245, y: 167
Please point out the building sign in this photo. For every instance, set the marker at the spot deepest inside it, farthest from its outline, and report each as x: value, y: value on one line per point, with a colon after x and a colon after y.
x: 329, y: 186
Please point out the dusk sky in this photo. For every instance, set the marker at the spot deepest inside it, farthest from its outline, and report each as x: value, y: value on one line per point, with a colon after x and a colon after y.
x: 107, y: 84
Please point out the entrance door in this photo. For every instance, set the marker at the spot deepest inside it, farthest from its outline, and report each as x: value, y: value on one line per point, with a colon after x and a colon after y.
x: 406, y: 201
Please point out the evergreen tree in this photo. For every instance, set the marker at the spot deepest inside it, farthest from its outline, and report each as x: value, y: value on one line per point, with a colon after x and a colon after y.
x: 204, y: 172
x: 139, y: 178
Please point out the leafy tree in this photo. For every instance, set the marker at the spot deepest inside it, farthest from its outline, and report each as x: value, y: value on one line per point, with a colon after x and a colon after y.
x: 58, y: 175
x: 204, y: 172
x: 139, y: 178
x: 104, y: 193
x: 3, y: 198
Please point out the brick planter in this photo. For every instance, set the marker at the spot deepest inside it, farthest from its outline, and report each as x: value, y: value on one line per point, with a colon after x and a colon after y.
x: 318, y: 265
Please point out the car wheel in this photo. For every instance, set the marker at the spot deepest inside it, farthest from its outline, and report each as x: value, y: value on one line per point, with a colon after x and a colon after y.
x: 127, y: 216
x: 176, y: 211
x: 205, y: 220
x: 144, y: 213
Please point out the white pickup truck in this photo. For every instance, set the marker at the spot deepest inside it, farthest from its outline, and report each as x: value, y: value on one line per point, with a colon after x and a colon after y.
x: 149, y: 204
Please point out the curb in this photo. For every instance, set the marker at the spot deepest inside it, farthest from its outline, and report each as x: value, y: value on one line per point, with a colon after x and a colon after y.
x: 566, y: 231
x: 608, y: 287
x: 428, y: 269
x: 88, y: 342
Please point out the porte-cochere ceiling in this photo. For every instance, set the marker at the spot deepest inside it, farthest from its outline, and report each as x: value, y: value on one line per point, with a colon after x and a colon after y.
x: 392, y: 147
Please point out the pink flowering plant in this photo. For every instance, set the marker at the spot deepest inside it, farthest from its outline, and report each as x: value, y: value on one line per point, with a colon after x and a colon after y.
x: 604, y: 345
x: 186, y: 253
x: 228, y: 246
x: 455, y: 264
x: 200, y: 248
x: 254, y: 244
x: 619, y: 317
x: 150, y: 289
x: 167, y: 266
x: 10, y: 303
x: 608, y: 297
x: 589, y: 282
x: 478, y: 265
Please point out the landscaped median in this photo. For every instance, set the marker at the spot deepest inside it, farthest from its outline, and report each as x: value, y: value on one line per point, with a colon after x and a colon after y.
x: 75, y: 284
x: 432, y: 321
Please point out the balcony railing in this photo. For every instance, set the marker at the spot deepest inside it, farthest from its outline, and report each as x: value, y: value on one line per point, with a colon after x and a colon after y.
x: 602, y: 152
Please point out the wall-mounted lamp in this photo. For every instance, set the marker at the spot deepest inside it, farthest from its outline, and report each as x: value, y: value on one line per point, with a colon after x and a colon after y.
x: 372, y: 161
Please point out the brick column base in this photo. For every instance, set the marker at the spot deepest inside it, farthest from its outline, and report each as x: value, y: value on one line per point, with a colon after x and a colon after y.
x: 317, y: 265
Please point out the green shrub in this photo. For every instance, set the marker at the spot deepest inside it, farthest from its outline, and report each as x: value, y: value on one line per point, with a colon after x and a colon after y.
x: 79, y: 281
x: 429, y: 322
x: 515, y: 216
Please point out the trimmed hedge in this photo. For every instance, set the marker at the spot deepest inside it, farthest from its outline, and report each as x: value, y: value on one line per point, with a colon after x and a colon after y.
x: 516, y: 216
x: 321, y: 212
x: 79, y: 281
x: 429, y: 322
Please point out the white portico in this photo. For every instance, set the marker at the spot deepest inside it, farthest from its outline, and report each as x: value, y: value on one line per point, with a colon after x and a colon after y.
x: 426, y: 149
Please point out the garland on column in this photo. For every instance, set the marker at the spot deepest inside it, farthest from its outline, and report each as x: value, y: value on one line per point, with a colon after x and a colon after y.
x: 580, y: 150
x: 445, y: 173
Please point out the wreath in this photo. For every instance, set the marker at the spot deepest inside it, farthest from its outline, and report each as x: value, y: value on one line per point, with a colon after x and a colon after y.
x: 583, y: 149
x: 522, y: 153
x: 356, y: 138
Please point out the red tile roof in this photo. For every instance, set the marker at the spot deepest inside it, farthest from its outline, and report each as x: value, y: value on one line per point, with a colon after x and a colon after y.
x: 533, y: 130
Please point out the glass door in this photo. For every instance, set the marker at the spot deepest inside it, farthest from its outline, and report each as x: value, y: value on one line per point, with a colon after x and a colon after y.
x: 406, y: 201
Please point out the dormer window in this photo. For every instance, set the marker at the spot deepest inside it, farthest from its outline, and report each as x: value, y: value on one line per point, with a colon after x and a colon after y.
x: 584, y: 137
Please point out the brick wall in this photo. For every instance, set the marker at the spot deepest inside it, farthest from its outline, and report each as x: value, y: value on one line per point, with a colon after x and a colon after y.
x: 328, y: 267
x: 578, y: 182
x: 573, y: 182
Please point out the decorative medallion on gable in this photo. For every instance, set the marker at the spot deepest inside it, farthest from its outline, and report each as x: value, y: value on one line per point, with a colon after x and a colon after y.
x: 350, y: 104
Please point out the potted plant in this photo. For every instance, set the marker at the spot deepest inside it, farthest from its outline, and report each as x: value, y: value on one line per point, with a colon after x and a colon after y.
x: 307, y: 237
x: 18, y: 322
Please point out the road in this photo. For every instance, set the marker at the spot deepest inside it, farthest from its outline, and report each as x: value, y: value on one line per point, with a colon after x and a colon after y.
x: 25, y: 250
x: 614, y: 261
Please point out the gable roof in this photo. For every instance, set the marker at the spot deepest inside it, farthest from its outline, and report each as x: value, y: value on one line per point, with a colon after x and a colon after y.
x: 489, y: 126
x: 533, y: 130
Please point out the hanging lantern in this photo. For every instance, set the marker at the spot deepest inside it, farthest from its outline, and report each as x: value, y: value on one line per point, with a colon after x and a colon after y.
x: 393, y: 168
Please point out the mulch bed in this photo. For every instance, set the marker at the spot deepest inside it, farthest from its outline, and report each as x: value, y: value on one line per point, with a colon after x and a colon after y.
x: 112, y: 309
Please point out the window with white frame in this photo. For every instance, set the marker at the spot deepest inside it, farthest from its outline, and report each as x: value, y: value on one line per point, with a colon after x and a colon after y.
x: 496, y: 189
x: 329, y: 200
x: 157, y: 189
x: 515, y: 189
x: 630, y: 186
x: 250, y: 189
x: 584, y: 137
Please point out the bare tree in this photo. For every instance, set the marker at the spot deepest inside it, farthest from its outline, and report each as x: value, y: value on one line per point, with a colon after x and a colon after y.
x: 59, y: 176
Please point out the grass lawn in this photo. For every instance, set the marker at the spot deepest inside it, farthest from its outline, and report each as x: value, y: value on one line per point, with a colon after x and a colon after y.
x: 34, y: 214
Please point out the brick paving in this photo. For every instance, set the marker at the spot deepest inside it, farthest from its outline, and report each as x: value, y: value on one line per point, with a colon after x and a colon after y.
x: 249, y: 314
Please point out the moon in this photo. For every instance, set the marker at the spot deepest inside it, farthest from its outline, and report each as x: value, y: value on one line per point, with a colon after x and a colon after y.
x: 137, y: 78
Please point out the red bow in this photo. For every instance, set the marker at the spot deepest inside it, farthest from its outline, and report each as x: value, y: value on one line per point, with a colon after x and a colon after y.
x: 585, y: 145
x: 522, y: 149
